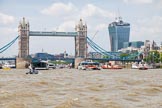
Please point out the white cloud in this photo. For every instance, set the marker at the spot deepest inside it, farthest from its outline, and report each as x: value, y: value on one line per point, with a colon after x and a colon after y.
x: 58, y: 9
x: 8, y: 31
x: 6, y: 19
x: 149, y: 28
x: 101, y: 27
x: 70, y: 11
x: 88, y: 12
x: 138, y: 1
x: 67, y: 26
x: 152, y: 25
x: 91, y: 10
x: 159, y: 4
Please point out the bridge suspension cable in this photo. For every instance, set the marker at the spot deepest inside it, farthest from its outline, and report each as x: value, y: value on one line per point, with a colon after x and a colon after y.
x: 103, y: 50
x: 94, y: 48
x: 100, y: 50
x: 4, y: 48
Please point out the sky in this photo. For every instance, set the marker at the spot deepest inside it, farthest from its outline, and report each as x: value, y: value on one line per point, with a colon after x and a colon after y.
x: 144, y: 16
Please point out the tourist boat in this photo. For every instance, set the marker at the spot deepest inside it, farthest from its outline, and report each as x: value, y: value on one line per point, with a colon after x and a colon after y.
x: 86, y: 65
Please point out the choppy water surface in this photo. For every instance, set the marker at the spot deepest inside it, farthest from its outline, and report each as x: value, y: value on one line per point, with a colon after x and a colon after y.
x: 71, y: 88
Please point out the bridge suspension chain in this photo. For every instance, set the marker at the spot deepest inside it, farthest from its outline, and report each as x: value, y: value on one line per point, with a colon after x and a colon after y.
x: 4, y: 48
x: 103, y: 50
x: 94, y: 48
x: 100, y: 50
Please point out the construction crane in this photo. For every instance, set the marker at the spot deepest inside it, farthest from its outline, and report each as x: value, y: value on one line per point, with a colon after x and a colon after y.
x: 94, y: 35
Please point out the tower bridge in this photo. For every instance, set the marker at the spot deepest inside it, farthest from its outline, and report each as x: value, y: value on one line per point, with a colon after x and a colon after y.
x: 79, y: 35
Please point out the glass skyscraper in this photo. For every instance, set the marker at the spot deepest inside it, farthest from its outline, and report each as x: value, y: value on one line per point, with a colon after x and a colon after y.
x: 119, y: 33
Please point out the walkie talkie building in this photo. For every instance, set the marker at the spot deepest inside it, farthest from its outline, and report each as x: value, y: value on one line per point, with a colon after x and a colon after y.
x: 119, y: 33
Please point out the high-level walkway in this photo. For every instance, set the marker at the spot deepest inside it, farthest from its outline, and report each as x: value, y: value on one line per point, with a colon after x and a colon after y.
x: 49, y: 33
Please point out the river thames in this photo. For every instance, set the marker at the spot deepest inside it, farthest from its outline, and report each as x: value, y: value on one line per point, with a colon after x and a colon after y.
x: 72, y: 88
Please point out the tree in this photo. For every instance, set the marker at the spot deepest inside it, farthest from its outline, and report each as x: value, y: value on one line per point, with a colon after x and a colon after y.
x: 106, y: 56
x: 160, y: 56
x: 153, y: 57
x: 123, y: 55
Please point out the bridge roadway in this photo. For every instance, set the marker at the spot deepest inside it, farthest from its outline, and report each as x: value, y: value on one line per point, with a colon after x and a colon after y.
x: 8, y: 59
x: 99, y: 59
x: 52, y: 33
x: 72, y: 59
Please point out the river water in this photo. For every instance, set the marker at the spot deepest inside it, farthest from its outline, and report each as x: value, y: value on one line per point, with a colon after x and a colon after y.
x: 72, y: 88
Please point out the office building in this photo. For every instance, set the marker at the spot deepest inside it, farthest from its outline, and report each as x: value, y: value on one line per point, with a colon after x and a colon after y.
x: 119, y: 33
x: 136, y: 44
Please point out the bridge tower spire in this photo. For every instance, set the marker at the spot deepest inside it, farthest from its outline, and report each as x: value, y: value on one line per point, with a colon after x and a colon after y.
x: 23, y: 30
x: 81, y: 40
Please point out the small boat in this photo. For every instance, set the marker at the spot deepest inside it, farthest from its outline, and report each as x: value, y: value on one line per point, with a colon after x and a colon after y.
x: 140, y: 66
x: 116, y: 67
x: 143, y: 68
x: 106, y: 67
x: 8, y: 66
x: 135, y: 66
x: 111, y: 67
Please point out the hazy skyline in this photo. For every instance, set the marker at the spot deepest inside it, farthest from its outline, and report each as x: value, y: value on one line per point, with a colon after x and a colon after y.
x: 145, y: 17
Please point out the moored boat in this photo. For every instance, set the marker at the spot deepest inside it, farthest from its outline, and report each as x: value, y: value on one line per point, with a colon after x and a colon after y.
x: 86, y: 65
x: 109, y: 66
x: 143, y: 68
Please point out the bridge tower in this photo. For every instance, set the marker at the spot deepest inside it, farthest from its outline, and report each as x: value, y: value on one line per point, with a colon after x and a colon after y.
x: 81, y: 40
x: 23, y: 30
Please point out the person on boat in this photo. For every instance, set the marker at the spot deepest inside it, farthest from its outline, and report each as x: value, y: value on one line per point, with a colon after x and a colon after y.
x: 70, y: 65
x: 32, y: 70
